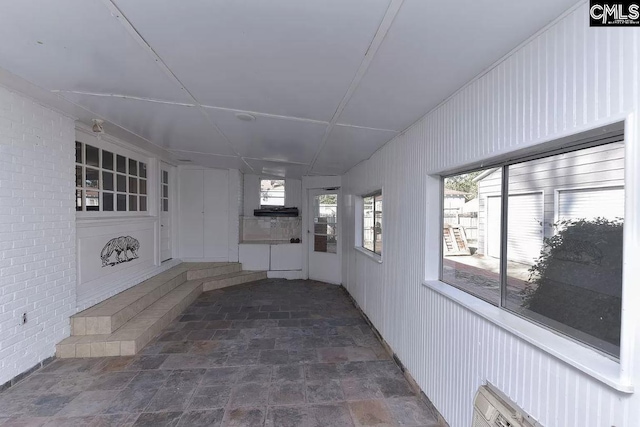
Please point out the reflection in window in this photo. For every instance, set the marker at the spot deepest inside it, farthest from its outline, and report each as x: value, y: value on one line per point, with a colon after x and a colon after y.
x: 562, y: 252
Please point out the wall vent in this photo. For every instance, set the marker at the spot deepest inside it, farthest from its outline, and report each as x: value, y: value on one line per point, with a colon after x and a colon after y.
x: 490, y: 410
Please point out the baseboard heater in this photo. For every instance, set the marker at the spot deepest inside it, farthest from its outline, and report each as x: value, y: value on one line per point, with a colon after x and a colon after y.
x: 290, y: 212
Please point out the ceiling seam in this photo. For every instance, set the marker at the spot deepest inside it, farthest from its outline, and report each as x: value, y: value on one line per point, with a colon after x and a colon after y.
x: 376, y: 42
x: 121, y: 127
x: 133, y: 32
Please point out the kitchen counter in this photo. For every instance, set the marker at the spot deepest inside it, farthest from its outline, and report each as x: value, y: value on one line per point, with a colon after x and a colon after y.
x: 267, y: 242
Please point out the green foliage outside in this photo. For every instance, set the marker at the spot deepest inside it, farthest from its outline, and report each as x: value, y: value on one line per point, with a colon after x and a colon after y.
x: 465, y: 183
x: 577, y: 279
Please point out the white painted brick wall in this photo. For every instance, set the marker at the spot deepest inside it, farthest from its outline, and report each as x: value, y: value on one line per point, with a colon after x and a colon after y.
x: 37, y: 231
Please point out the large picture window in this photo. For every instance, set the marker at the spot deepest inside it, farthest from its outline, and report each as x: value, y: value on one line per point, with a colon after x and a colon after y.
x: 372, y: 222
x: 541, y: 237
x: 109, y: 182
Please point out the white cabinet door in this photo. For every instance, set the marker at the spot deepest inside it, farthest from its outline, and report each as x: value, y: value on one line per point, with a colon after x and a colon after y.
x: 254, y: 257
x: 286, y: 257
x: 191, y: 214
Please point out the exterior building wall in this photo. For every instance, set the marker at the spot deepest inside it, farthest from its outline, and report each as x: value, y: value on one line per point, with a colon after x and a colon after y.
x: 567, y: 79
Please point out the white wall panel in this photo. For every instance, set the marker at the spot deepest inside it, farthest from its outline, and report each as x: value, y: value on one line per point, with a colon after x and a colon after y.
x: 567, y: 79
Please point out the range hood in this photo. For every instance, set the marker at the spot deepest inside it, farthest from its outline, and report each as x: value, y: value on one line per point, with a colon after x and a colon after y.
x: 276, y: 211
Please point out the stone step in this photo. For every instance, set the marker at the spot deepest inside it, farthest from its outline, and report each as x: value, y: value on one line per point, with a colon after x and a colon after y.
x: 138, y: 331
x: 140, y: 328
x: 111, y: 314
x: 212, y: 269
x: 232, y: 279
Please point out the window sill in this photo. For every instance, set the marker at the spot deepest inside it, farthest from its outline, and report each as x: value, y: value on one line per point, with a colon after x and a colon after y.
x: 580, y: 357
x: 374, y: 256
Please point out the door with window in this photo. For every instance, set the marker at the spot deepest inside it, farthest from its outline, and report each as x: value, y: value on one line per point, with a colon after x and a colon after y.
x: 165, y: 213
x: 324, y: 239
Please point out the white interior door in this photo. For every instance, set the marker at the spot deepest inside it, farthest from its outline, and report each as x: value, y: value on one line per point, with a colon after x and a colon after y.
x: 166, y: 200
x: 324, y: 239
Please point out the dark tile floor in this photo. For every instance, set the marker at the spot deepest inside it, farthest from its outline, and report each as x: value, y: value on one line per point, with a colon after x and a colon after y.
x: 273, y: 353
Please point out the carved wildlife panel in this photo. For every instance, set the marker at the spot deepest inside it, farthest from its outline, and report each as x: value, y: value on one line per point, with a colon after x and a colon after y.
x: 118, y: 250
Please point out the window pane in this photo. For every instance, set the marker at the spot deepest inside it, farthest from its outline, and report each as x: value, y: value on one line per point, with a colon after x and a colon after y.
x: 133, y: 185
x: 133, y: 167
x: 107, y: 201
x: 564, y: 251
x: 165, y: 205
x: 78, y: 176
x: 133, y: 203
x: 93, y: 156
x: 165, y: 191
x: 121, y: 164
x: 78, y: 200
x: 143, y: 186
x: 121, y: 200
x: 325, y: 222
x: 92, y: 200
x: 165, y: 177
x: 272, y: 192
x: 378, y: 225
x: 367, y: 223
x: 92, y: 178
x: 107, y: 181
x: 122, y: 183
x: 143, y: 203
x: 143, y: 170
x: 471, y: 233
x: 78, y: 152
x: 107, y: 160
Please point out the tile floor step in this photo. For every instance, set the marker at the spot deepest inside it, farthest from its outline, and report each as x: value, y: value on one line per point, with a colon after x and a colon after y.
x: 212, y: 269
x: 109, y: 315
x: 138, y: 331
x: 232, y: 279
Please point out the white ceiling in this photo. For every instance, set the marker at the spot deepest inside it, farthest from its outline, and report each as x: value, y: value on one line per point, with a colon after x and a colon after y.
x: 329, y: 81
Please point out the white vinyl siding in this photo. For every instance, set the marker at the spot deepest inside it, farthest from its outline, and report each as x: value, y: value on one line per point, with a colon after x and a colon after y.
x: 591, y: 203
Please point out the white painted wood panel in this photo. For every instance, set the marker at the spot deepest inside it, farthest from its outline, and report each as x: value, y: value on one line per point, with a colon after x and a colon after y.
x: 567, y: 79
x: 191, y: 213
x: 216, y: 214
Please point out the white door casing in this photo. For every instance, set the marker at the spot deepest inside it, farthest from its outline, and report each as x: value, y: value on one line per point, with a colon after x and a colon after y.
x: 166, y: 211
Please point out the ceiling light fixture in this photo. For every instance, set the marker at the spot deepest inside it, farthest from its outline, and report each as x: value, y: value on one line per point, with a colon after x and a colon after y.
x: 245, y: 117
x: 98, y: 126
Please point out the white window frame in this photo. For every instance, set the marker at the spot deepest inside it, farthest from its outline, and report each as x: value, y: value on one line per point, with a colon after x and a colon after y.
x: 263, y: 206
x: 359, y: 226
x: 617, y: 374
x: 102, y: 144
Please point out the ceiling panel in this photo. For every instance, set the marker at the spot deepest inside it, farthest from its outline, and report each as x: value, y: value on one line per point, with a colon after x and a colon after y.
x: 168, y: 125
x: 285, y: 57
x: 279, y: 169
x: 271, y: 138
x: 434, y: 48
x: 212, y: 160
x: 347, y: 146
x: 78, y: 45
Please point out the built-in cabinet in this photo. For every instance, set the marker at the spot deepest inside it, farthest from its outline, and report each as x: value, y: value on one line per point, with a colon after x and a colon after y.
x: 278, y: 259
x: 204, y: 214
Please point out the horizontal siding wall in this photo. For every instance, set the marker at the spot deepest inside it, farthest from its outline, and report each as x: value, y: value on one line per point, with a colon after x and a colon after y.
x: 565, y: 80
